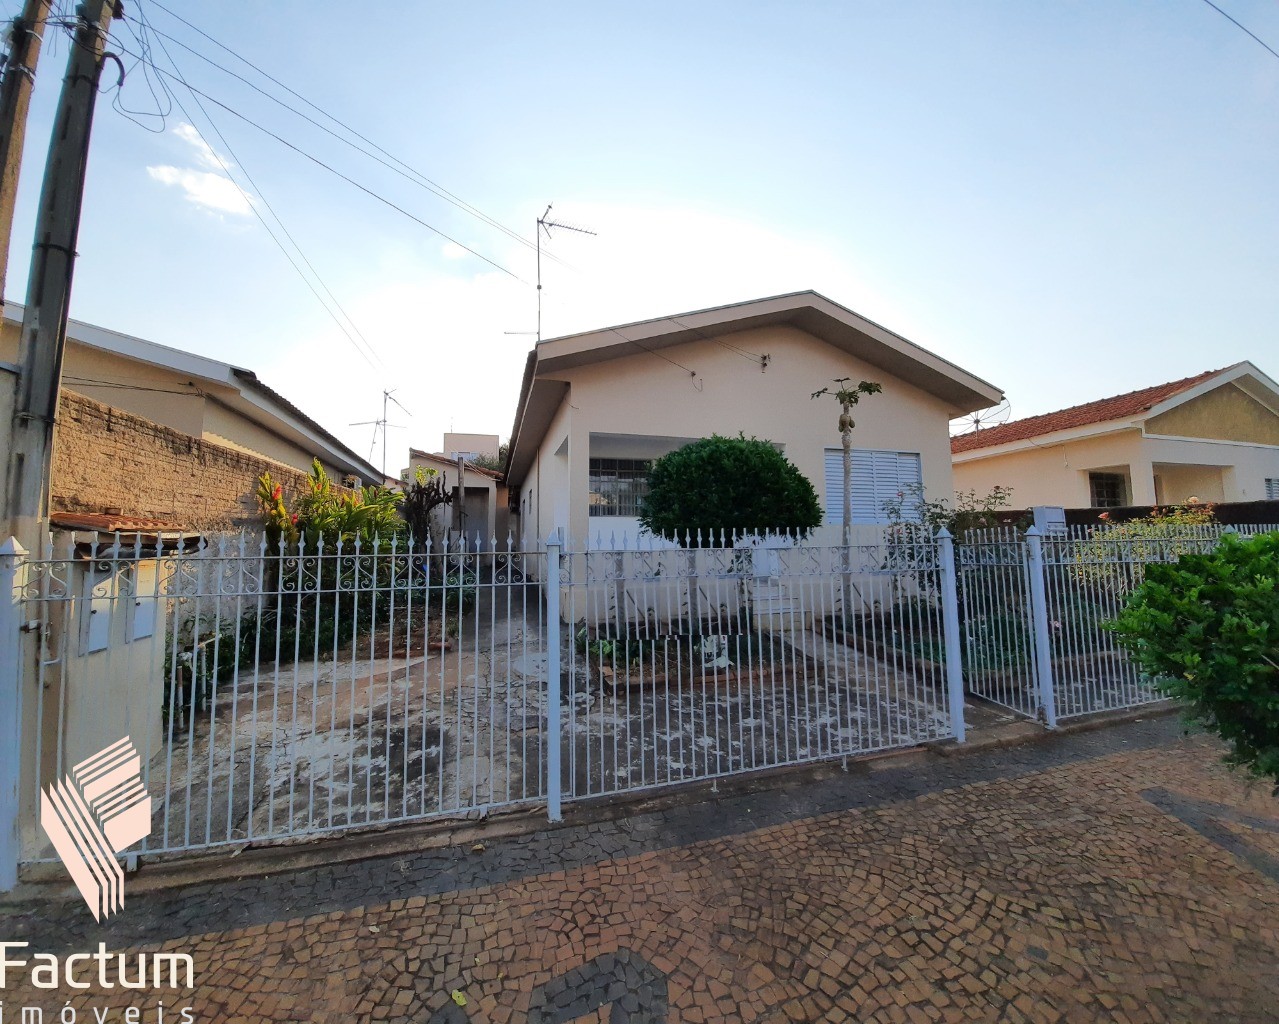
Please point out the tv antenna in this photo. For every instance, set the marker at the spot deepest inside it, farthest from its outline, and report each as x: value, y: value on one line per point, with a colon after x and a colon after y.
x: 544, y: 223
x: 383, y: 426
x: 983, y: 419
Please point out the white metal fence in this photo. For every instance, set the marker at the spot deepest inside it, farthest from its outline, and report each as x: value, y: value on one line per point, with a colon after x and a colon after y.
x: 283, y: 694
x: 693, y: 664
x: 1034, y: 611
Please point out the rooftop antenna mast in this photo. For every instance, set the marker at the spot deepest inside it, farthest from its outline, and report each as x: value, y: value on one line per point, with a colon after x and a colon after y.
x: 383, y: 425
x: 545, y: 224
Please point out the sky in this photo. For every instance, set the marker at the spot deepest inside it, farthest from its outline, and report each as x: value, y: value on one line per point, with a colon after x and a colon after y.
x: 1069, y: 200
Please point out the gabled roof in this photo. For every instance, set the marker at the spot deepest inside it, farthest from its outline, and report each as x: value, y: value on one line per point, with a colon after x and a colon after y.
x: 809, y: 311
x: 1128, y: 406
x: 447, y: 463
x: 234, y: 387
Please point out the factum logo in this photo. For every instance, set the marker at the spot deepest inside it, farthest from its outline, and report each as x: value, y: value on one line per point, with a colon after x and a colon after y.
x: 96, y: 811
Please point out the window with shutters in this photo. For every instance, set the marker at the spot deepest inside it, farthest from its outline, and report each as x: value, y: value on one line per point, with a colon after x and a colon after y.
x: 1272, y: 488
x: 878, y: 477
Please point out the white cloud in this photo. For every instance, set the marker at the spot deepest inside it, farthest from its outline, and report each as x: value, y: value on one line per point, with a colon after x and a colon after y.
x: 453, y: 251
x: 205, y: 155
x: 206, y: 184
x: 204, y: 188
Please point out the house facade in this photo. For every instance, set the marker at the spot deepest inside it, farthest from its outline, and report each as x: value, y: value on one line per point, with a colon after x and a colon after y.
x: 1212, y: 437
x: 150, y: 431
x: 478, y: 510
x: 597, y: 408
x: 197, y: 396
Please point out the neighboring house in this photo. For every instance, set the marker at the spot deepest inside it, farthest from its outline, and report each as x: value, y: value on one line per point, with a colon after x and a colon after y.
x: 470, y: 446
x: 1212, y: 437
x: 102, y: 648
x: 151, y: 431
x: 480, y: 513
x: 596, y: 409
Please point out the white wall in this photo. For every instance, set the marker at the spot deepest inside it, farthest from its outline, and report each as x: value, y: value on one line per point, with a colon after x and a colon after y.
x: 645, y: 395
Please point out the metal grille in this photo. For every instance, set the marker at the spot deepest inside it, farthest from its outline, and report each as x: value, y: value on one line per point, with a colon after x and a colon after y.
x: 695, y: 663
x: 286, y: 694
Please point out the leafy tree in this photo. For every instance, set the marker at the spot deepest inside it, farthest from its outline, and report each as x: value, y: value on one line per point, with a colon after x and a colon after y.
x: 1207, y: 628
x: 489, y: 462
x: 719, y: 483
x: 421, y: 498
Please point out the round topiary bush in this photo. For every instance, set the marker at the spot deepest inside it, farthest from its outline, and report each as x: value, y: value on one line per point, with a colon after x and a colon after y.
x: 1207, y: 627
x: 731, y: 484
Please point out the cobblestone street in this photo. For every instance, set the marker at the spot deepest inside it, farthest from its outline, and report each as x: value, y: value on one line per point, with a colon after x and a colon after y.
x: 1114, y: 875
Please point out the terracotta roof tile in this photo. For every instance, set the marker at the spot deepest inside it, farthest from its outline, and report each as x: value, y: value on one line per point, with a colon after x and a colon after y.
x: 1103, y: 410
x: 105, y: 523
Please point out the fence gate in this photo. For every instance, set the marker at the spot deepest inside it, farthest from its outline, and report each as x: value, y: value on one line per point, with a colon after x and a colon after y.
x: 997, y: 622
x: 273, y: 695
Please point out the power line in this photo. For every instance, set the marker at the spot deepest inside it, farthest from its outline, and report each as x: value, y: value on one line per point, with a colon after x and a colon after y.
x: 403, y: 169
x: 754, y: 357
x: 328, y: 167
x: 91, y: 382
x: 653, y: 352
x: 1241, y: 27
x: 368, y: 355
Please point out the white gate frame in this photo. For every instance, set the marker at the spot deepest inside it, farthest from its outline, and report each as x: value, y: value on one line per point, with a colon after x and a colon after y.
x: 11, y: 554
x: 1043, y: 638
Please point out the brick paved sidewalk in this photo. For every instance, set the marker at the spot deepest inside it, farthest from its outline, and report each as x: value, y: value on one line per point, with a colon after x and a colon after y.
x: 1119, y: 875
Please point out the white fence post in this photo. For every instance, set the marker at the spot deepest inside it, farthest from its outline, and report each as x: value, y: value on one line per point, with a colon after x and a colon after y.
x: 1043, y: 639
x: 553, y: 740
x: 11, y: 554
x: 950, y: 625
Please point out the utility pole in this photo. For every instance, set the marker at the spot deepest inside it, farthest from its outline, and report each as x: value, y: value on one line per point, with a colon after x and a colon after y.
x: 26, y: 35
x: 44, y: 323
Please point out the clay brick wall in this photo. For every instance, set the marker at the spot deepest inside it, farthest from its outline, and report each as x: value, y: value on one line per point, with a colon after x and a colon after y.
x: 107, y: 460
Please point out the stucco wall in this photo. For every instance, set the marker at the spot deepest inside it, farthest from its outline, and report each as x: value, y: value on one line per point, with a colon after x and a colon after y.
x: 647, y: 395
x: 231, y: 430
x: 1225, y: 413
x: 1057, y: 473
x: 107, y: 459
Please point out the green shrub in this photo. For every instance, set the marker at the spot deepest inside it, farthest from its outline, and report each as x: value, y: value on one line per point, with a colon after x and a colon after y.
x: 1115, y: 555
x: 1207, y: 628
x: 728, y: 484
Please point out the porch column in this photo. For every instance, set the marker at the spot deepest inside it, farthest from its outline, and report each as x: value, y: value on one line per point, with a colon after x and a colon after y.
x: 579, y: 471
x: 1141, y: 477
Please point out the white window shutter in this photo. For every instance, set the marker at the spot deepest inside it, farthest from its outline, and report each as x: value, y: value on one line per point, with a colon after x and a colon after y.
x: 878, y: 477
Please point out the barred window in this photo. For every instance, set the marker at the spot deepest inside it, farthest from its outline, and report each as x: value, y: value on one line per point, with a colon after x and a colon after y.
x: 1107, y: 490
x: 618, y: 486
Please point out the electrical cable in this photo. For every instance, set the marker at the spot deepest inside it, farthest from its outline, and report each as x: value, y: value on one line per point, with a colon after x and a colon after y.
x: 369, y: 355
x: 408, y: 171
x: 91, y: 382
x: 652, y: 351
x: 754, y: 357
x: 328, y: 167
x: 1241, y: 27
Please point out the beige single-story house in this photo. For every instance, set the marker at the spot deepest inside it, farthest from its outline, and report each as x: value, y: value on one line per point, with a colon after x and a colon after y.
x: 150, y: 431
x: 479, y: 512
x: 595, y: 410
x: 195, y: 395
x: 1212, y: 437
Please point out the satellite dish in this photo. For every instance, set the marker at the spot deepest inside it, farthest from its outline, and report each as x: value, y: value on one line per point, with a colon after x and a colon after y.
x: 983, y: 419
